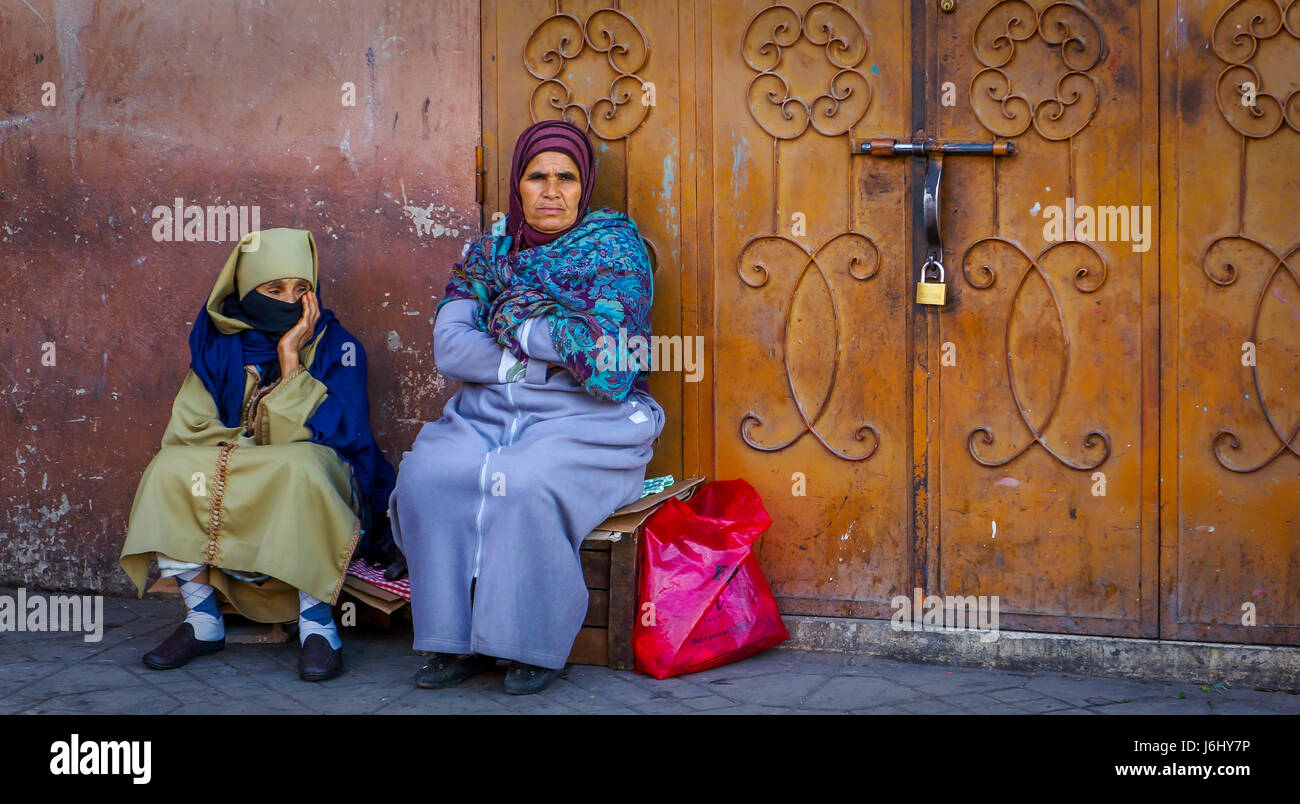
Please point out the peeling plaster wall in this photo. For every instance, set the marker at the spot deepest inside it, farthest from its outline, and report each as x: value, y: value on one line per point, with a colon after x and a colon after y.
x: 216, y: 103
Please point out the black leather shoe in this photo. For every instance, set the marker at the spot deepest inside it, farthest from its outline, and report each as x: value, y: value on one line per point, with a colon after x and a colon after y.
x: 396, y: 570
x: 446, y: 669
x: 317, y: 661
x: 525, y: 679
x: 178, y: 649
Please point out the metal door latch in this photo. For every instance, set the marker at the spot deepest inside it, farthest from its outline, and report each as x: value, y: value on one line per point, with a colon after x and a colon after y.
x: 928, y: 292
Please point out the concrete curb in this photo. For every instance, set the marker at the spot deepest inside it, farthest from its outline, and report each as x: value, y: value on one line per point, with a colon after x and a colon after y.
x: 1261, y: 666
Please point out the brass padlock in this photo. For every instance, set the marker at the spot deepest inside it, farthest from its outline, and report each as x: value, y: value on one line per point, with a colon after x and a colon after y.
x: 935, y: 293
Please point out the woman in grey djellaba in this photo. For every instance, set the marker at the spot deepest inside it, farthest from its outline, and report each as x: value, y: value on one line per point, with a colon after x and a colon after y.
x: 550, y: 432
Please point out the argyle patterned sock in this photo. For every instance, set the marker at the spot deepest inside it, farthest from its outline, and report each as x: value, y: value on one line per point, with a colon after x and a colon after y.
x: 201, y: 601
x: 315, y: 617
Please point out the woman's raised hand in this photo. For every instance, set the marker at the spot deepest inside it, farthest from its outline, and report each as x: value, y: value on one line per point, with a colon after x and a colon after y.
x: 292, y: 342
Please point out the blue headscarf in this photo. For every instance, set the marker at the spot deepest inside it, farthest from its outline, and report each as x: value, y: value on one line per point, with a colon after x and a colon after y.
x: 341, y: 421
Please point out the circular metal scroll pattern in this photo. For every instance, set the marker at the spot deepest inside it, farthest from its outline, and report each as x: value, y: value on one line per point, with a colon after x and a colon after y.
x: 1236, y: 37
x: 772, y: 102
x: 559, y: 40
x: 1066, y: 29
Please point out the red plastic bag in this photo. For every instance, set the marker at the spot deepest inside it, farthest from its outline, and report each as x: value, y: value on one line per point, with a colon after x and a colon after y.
x: 703, y: 600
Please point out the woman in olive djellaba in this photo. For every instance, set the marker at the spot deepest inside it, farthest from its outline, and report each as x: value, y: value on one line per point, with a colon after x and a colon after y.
x: 268, y: 473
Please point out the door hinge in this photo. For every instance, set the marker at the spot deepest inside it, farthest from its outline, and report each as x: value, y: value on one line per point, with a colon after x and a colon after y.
x: 479, y: 190
x: 478, y: 174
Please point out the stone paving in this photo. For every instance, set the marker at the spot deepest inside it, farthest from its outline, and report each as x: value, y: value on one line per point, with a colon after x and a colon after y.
x: 63, y: 674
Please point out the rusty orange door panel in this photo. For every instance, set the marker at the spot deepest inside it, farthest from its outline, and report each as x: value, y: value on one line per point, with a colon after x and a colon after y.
x: 811, y: 294
x: 1043, y: 478
x: 1230, y: 323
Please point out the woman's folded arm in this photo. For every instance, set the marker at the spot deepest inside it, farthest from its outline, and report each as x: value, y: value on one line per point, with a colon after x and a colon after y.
x: 535, y: 339
x: 463, y: 352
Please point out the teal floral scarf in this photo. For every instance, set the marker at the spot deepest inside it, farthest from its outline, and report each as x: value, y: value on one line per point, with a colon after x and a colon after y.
x: 593, y: 281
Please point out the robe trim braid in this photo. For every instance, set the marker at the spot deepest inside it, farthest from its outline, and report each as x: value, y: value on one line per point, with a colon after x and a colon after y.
x: 259, y: 419
x: 252, y: 415
x: 216, y: 507
x: 347, y: 559
x: 246, y: 419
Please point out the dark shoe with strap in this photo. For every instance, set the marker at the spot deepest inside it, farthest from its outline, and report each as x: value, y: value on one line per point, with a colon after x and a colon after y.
x: 446, y: 669
x: 178, y: 649
x: 317, y: 661
x: 526, y: 679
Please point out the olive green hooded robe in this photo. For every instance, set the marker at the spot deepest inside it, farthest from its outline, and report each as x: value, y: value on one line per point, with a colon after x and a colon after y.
x: 258, y: 498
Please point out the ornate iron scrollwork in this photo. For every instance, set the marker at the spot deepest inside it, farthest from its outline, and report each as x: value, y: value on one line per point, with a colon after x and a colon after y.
x: 860, y: 257
x: 837, y: 109
x: 1236, y: 36
x: 1078, y: 40
x: 1088, y: 278
x: 1219, y: 262
x: 561, y: 38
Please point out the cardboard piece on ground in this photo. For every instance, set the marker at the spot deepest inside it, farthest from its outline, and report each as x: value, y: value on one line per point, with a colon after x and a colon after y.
x: 371, y: 588
x: 372, y: 595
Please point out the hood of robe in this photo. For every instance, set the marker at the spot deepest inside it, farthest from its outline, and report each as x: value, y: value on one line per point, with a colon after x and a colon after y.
x: 273, y: 254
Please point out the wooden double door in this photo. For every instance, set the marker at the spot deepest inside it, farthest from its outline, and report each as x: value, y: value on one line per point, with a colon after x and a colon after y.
x: 1099, y: 425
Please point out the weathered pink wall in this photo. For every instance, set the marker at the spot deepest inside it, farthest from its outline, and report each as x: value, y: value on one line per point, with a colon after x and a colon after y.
x: 218, y: 103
